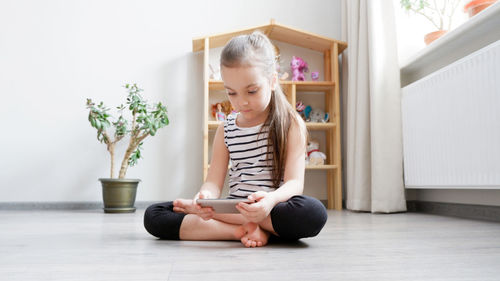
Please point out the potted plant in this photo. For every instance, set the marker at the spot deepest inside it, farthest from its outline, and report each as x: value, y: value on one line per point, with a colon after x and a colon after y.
x: 119, y: 193
x: 476, y: 6
x: 439, y: 14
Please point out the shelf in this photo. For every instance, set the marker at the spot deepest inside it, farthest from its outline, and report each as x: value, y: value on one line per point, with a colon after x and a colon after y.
x: 216, y: 85
x: 321, y: 167
x: 310, y: 86
x: 302, y: 86
x: 319, y: 126
x: 213, y: 125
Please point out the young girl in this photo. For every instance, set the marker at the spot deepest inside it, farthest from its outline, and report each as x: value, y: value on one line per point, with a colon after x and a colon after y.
x: 266, y: 142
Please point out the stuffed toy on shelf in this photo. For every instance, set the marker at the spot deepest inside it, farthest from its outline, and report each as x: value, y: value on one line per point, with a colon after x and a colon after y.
x: 318, y: 115
x: 310, y: 114
x: 298, y: 66
x: 314, y: 155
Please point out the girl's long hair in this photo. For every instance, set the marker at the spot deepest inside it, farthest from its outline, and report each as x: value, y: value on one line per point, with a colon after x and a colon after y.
x: 257, y: 50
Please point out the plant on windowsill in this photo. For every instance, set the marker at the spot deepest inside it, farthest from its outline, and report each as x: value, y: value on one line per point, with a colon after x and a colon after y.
x: 439, y: 13
x: 119, y: 193
x: 474, y: 7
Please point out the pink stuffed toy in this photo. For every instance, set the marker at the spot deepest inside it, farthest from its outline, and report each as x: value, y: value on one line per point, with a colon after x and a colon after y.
x: 299, y: 66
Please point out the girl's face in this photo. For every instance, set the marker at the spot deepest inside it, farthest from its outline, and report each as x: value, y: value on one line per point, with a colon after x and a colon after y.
x: 249, y: 92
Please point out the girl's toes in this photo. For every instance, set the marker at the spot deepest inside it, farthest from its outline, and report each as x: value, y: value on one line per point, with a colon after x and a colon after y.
x: 259, y: 244
x: 244, y: 240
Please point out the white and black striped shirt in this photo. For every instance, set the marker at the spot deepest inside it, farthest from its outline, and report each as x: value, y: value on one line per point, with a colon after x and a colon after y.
x: 248, y: 149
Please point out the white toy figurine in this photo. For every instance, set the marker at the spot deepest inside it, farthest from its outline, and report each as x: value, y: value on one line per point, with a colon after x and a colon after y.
x: 314, y: 156
x: 214, y: 73
x: 318, y: 115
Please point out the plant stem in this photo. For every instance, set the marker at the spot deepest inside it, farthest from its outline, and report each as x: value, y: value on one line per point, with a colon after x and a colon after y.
x: 134, y: 143
x: 429, y: 18
x: 110, y: 145
x: 111, y: 149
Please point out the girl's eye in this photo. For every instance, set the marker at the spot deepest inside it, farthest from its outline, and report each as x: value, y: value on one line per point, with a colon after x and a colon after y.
x: 231, y: 94
x: 253, y: 91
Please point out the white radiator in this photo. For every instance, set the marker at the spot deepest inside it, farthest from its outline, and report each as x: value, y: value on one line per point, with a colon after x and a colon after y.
x: 451, y: 124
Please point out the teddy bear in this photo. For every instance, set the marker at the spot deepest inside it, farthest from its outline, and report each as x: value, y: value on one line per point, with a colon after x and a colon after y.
x: 298, y: 66
x: 314, y: 156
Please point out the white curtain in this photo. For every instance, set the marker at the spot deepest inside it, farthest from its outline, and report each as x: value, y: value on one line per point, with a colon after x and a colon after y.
x: 373, y: 159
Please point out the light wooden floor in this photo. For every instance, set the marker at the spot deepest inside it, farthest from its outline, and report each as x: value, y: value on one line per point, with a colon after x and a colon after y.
x: 90, y: 245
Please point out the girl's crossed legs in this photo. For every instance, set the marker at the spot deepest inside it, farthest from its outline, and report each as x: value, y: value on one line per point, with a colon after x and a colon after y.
x: 299, y: 217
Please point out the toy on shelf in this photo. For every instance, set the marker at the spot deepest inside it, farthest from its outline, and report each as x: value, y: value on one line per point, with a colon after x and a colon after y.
x: 310, y: 114
x: 315, y: 75
x: 219, y: 115
x: 298, y: 66
x: 314, y: 155
x: 303, y: 110
x: 318, y: 115
x: 282, y: 75
x: 214, y: 73
x: 222, y: 109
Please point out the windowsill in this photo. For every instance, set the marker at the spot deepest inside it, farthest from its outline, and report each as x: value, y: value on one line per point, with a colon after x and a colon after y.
x: 479, y: 31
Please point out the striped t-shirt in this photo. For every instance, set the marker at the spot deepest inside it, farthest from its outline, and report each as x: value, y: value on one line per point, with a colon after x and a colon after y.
x: 248, y: 149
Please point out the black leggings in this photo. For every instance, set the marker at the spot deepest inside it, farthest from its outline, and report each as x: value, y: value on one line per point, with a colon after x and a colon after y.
x: 299, y: 217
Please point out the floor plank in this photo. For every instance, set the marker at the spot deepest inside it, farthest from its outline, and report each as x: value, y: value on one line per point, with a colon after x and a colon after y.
x: 91, y: 245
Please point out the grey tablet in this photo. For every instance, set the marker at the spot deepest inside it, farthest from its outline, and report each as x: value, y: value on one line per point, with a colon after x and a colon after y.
x: 222, y: 206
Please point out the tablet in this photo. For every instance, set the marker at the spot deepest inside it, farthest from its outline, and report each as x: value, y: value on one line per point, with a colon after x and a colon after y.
x: 223, y: 206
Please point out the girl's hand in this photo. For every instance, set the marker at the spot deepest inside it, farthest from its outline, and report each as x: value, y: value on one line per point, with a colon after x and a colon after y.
x: 204, y: 194
x: 205, y: 213
x: 187, y: 206
x: 257, y: 212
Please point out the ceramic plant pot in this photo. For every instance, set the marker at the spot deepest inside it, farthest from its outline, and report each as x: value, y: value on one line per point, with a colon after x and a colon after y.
x: 429, y: 37
x: 476, y: 6
x: 119, y: 195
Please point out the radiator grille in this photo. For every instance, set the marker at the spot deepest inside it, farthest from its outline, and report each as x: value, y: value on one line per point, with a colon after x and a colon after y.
x: 451, y: 124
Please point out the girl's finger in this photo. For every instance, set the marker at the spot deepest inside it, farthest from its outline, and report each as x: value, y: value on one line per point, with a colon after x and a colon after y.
x: 179, y: 210
x: 256, y: 196
x: 244, y: 206
x: 242, y: 211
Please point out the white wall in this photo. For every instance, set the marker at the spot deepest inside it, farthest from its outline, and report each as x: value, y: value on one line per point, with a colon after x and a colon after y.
x: 55, y: 54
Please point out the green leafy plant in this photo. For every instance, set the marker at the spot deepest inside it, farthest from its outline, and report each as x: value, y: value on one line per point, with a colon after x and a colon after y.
x: 146, y: 121
x: 439, y: 13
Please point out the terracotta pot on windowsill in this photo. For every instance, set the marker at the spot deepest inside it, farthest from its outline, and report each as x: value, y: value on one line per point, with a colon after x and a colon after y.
x: 429, y: 37
x: 476, y: 6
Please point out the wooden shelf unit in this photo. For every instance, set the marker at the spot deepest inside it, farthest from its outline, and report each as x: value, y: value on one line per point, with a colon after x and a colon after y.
x: 331, y: 49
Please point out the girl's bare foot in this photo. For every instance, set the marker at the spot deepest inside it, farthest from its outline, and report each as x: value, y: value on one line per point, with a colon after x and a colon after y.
x: 251, y: 235
x: 186, y: 206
